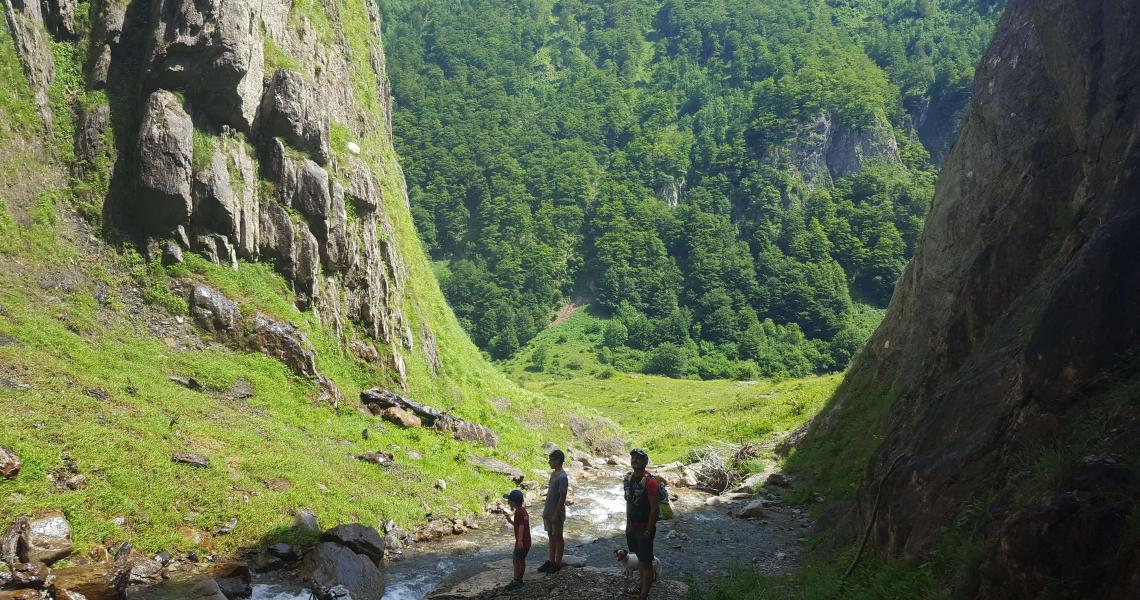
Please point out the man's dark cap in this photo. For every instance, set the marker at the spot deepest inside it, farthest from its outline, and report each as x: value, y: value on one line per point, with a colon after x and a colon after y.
x: 558, y: 455
x: 639, y: 452
x: 515, y: 496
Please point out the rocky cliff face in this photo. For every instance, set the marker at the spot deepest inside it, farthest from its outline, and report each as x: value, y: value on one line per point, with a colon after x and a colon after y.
x: 1009, y: 346
x: 257, y: 131
x: 829, y: 149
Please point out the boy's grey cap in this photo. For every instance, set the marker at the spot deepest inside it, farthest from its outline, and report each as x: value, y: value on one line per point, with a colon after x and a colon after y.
x: 515, y: 496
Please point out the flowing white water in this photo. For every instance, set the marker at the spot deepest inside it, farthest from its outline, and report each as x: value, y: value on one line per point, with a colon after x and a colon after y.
x: 594, y: 528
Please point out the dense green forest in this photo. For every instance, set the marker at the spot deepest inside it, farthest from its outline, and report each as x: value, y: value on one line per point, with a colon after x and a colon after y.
x: 739, y: 183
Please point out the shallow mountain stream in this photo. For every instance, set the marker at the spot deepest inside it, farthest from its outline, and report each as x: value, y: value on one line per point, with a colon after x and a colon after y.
x: 701, y: 543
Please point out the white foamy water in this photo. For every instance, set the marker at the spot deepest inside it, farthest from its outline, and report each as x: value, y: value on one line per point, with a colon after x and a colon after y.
x: 416, y: 586
x: 262, y: 591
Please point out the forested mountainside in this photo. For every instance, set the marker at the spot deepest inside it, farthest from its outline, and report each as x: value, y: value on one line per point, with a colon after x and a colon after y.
x: 739, y: 183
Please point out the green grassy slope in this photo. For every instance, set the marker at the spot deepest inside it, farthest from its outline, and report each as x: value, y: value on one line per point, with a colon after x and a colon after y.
x: 88, y: 379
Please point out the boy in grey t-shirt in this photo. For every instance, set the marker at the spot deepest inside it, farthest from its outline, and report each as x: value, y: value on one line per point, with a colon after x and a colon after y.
x: 554, y: 512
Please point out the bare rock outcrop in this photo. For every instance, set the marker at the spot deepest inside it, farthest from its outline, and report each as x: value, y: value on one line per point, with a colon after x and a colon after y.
x: 33, y: 47
x: 1020, y: 297
x: 213, y: 49
x: 379, y: 401
x: 166, y: 151
x: 289, y: 110
x: 829, y: 149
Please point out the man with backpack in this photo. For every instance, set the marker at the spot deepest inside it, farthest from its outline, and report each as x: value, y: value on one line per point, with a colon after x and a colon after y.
x: 642, y: 510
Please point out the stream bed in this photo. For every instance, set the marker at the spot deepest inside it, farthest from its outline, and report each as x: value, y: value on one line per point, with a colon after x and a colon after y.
x: 700, y: 543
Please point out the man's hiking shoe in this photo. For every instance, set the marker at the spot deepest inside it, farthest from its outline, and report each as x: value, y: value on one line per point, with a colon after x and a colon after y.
x: 546, y: 566
x: 554, y: 568
x: 514, y: 584
x: 633, y: 591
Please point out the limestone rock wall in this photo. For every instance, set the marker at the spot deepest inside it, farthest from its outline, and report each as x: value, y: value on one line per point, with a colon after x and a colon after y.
x: 1021, y: 296
x: 828, y: 149
x: 224, y: 114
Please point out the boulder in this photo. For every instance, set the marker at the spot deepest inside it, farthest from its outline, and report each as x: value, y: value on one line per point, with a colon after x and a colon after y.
x: 191, y: 459
x: 284, y: 342
x: 495, y: 465
x: 46, y: 539
x: 10, y: 542
x: 214, y: 312
x: 9, y: 463
x: 329, y: 564
x: 30, y: 575
x: 467, y: 431
x: 361, y: 539
x: 306, y: 520
x: 753, y: 510
x: 289, y: 112
x: 165, y: 152
x: 171, y: 253
x: 401, y: 417
x: 94, y: 582
x: 364, y: 351
x: 137, y: 570
x: 196, y: 587
x: 378, y: 401
x: 234, y: 580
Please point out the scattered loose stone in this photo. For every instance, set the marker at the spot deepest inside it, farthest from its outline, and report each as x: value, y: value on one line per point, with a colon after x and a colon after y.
x: 401, y: 417
x: 188, y: 458
x: 277, y: 484
x: 190, y: 383
x: 440, y: 484
x: 227, y: 528
x: 242, y: 389
x: 753, y: 510
x: 306, y: 519
x: 99, y: 394
x: 9, y: 463
x: 379, y: 458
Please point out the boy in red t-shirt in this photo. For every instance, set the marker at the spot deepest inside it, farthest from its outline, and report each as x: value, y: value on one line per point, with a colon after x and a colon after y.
x: 521, y: 522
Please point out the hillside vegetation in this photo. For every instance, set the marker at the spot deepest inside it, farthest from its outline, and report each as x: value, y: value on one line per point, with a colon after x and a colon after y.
x: 731, y: 179
x: 91, y: 333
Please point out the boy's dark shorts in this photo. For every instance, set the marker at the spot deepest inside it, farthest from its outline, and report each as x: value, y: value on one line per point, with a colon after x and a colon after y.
x: 638, y: 543
x: 520, y: 553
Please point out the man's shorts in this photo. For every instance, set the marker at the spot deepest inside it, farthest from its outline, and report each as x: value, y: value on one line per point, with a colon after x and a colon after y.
x: 553, y: 528
x: 639, y: 543
x: 520, y: 553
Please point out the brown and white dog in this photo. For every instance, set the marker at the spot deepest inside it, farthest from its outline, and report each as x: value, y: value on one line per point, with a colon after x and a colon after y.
x: 633, y: 567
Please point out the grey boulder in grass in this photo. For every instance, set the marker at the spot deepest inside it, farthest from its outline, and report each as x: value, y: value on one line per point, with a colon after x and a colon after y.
x: 9, y: 463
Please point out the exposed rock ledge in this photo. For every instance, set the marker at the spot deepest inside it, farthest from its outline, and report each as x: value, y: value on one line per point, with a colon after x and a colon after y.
x: 214, y: 312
